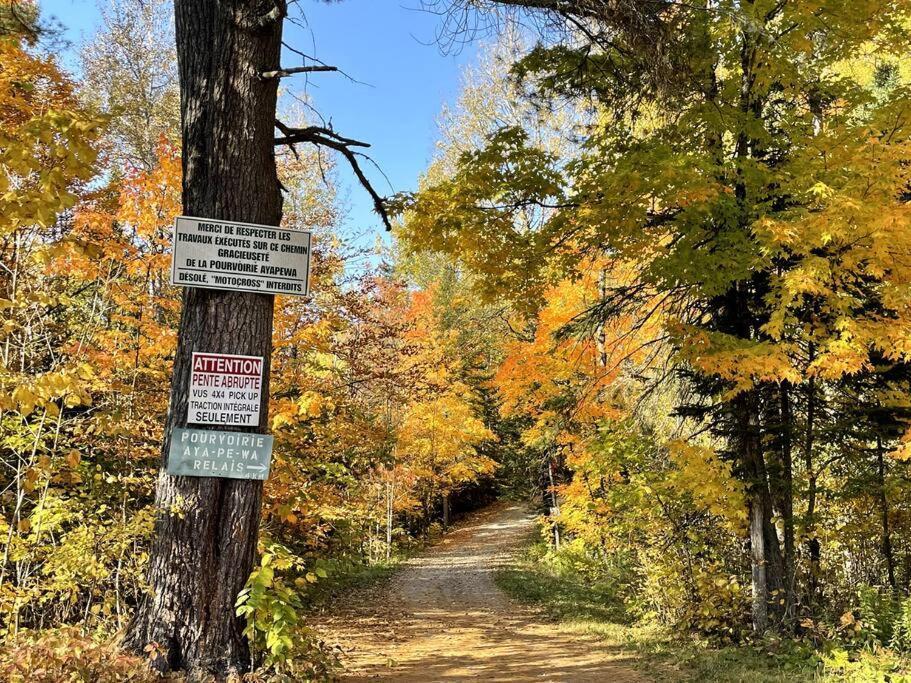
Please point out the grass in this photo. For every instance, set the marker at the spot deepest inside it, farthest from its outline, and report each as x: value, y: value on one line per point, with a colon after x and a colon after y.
x: 600, y: 608
x: 345, y: 575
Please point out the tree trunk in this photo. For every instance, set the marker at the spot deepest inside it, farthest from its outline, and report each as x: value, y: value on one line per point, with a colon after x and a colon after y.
x: 767, y: 570
x: 786, y: 499
x: 206, y: 529
x: 389, y: 499
x: 813, y: 547
x: 446, y: 510
x: 884, y: 513
x: 555, y: 507
x: 760, y: 582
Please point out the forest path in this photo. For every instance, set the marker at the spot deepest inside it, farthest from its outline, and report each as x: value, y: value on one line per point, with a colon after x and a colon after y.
x: 441, y: 617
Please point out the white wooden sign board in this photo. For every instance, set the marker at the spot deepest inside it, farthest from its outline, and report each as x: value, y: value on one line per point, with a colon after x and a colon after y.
x: 240, y: 256
x: 225, y: 390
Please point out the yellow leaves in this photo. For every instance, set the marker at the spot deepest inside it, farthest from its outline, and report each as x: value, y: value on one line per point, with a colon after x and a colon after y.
x: 744, y: 362
x: 439, y: 437
x: 286, y: 415
x: 46, y: 146
x: 311, y: 404
x: 699, y: 473
x: 903, y: 452
x: 24, y: 399
x: 43, y: 391
x: 820, y: 191
x: 840, y: 357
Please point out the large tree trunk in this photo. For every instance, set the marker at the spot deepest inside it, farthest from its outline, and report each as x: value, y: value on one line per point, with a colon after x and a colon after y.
x: 206, y: 530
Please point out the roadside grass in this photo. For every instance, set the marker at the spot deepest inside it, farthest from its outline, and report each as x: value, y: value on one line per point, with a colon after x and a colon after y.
x: 345, y: 575
x: 598, y: 608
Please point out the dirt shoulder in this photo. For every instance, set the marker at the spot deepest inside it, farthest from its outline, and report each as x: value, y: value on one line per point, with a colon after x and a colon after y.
x: 442, y: 618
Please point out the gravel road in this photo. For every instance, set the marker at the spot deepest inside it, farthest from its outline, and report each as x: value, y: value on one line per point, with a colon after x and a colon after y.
x: 442, y: 618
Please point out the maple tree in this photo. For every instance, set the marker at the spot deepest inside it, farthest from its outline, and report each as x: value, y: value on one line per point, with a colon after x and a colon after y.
x: 752, y: 174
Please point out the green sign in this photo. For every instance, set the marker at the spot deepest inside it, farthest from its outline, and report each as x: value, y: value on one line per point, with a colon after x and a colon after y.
x: 211, y: 453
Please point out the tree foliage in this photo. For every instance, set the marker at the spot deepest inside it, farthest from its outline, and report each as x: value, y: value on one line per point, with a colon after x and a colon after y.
x: 741, y: 194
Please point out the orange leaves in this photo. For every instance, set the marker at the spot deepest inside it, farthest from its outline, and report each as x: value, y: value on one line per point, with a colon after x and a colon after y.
x: 569, y: 376
x: 149, y: 201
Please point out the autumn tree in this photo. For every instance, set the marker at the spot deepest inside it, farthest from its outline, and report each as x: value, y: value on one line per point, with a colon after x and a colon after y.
x: 713, y: 170
x: 48, y: 149
x: 130, y: 70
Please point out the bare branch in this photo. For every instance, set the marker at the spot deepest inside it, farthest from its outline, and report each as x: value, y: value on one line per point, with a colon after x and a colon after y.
x: 282, y: 73
x: 320, y: 136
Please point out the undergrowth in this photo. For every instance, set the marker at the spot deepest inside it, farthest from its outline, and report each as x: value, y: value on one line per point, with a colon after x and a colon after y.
x: 605, y: 605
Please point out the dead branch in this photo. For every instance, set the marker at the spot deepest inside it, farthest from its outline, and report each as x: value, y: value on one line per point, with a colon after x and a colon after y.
x: 321, y: 136
x: 282, y: 73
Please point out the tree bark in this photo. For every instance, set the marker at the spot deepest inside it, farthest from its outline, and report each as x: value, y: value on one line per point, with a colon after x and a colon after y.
x: 760, y: 582
x: 206, y: 529
x: 555, y: 508
x: 389, y: 500
x: 767, y: 568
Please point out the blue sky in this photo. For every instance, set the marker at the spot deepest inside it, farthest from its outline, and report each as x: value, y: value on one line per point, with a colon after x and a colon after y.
x: 388, y: 44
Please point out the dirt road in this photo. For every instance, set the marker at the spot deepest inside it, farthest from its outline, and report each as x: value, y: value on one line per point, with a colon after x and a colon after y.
x: 442, y: 618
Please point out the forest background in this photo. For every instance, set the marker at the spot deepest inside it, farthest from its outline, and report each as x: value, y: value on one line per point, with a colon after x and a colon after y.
x: 661, y: 285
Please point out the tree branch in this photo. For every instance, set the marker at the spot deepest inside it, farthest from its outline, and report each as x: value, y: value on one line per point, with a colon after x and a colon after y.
x: 326, y: 137
x: 282, y: 73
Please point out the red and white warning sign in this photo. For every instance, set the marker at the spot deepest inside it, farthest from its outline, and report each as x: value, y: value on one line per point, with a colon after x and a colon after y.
x: 225, y: 390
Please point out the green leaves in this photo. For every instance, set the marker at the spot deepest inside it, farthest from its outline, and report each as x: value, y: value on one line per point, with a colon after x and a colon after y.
x: 492, y: 213
x: 273, y: 607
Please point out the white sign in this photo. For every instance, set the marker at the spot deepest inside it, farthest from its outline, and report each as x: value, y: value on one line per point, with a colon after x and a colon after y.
x: 225, y: 390
x: 240, y: 256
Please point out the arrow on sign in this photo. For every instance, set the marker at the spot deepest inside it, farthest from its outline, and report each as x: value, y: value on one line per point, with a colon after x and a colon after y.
x: 256, y: 467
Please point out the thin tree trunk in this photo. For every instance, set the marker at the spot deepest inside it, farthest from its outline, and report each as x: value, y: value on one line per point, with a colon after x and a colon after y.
x: 813, y: 548
x: 206, y: 529
x: 555, y: 508
x: 445, y: 509
x: 389, y: 493
x: 884, y: 512
x: 786, y: 499
x: 760, y: 582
